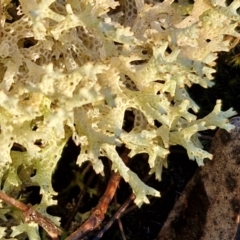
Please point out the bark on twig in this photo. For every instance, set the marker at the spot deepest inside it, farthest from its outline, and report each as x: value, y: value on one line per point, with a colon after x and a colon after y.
x: 116, y: 216
x: 31, y: 215
x: 99, y: 211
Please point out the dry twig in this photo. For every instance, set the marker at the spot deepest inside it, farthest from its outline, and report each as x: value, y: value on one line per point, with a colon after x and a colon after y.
x: 117, y: 216
x: 120, y: 212
x: 99, y: 211
x: 80, y: 197
x: 31, y: 215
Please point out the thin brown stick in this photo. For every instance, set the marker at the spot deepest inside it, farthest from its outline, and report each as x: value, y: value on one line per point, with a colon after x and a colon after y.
x: 117, y: 215
x: 31, y: 215
x: 80, y: 197
x: 119, y: 221
x: 99, y: 211
x: 120, y: 212
x: 121, y: 229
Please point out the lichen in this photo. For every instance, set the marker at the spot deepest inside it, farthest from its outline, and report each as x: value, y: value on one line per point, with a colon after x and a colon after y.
x: 73, y: 68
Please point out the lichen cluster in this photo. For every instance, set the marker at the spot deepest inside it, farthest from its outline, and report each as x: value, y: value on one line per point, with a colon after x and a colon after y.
x: 73, y: 68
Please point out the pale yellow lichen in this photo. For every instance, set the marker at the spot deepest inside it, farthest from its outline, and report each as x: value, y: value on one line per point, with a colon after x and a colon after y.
x: 86, y: 63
